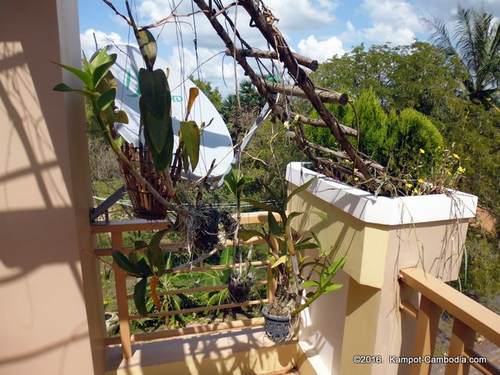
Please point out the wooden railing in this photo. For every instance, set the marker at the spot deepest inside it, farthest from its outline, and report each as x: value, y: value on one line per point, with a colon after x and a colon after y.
x: 469, y: 318
x: 116, y: 230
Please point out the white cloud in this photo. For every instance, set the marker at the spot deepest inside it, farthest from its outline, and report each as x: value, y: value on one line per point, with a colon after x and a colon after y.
x: 302, y: 14
x: 88, y: 42
x: 395, y: 21
x: 446, y: 9
x: 321, y: 49
x: 382, y: 32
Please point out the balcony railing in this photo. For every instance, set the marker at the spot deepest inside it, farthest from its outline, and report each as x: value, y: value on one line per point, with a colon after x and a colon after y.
x: 117, y: 229
x: 469, y: 319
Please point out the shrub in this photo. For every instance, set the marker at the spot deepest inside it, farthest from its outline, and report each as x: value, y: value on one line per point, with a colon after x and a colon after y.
x: 400, y: 141
x: 412, y: 139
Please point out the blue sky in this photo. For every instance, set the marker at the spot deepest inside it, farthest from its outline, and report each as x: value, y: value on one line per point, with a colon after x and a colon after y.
x: 318, y: 28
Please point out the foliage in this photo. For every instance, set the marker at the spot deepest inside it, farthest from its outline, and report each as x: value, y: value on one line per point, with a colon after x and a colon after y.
x: 265, y: 161
x: 293, y: 270
x: 475, y: 42
x: 480, y: 273
x: 407, y: 135
x: 422, y: 77
x: 249, y: 99
x: 399, y: 141
x: 417, y: 76
x: 100, y: 91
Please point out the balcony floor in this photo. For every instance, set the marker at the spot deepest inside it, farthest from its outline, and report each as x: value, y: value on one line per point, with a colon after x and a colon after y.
x: 243, y: 351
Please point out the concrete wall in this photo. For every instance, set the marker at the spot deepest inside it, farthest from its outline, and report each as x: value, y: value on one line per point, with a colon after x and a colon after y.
x: 45, y: 325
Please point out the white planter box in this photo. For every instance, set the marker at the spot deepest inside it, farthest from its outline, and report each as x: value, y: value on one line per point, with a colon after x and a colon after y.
x: 383, y: 210
x: 379, y: 236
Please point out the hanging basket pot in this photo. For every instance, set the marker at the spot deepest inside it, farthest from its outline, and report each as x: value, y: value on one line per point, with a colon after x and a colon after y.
x: 239, y: 290
x: 279, y: 328
x: 144, y: 204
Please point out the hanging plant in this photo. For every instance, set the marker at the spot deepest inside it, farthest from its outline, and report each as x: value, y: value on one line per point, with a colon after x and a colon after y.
x: 301, y: 279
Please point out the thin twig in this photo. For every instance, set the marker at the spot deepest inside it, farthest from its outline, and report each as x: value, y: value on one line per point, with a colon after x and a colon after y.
x: 110, y: 4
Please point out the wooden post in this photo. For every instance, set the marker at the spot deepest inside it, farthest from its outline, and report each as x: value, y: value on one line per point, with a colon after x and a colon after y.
x: 462, y: 338
x: 427, y: 326
x: 121, y: 298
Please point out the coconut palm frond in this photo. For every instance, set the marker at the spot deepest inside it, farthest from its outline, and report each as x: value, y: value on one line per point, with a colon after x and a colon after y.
x: 475, y: 40
x: 466, y: 46
x: 441, y: 37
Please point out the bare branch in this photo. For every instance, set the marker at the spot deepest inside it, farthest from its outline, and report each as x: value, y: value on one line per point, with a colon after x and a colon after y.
x: 258, y: 53
x: 110, y: 4
x: 318, y: 123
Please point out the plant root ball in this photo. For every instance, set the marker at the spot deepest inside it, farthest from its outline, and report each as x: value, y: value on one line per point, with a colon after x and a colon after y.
x: 206, y: 235
x: 229, y: 223
x: 239, y: 287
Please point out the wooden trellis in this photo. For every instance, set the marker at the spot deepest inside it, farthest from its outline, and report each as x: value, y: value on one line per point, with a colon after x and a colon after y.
x: 263, y: 20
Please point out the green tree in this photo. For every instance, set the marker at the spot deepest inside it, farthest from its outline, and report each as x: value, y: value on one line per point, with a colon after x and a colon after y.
x: 475, y: 42
x: 250, y: 102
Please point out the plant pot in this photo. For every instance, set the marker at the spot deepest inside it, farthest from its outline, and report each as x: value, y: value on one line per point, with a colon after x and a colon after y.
x: 279, y: 328
x: 145, y: 206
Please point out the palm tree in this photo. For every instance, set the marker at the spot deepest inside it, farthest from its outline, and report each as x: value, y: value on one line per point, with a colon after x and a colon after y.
x: 475, y: 41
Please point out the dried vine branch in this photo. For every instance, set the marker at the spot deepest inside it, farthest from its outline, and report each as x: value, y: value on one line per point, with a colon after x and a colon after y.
x: 255, y: 52
x: 263, y: 19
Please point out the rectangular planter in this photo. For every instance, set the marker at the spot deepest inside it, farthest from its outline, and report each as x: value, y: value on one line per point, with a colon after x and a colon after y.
x: 379, y: 236
x: 428, y: 229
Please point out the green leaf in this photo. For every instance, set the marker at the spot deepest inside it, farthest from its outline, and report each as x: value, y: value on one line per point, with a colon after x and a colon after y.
x: 140, y: 244
x: 62, y: 87
x: 155, y: 107
x: 99, y: 58
x: 281, y: 260
x: 162, y: 159
x: 246, y: 234
x: 185, y: 159
x: 122, y: 261
x: 336, y: 265
x: 190, y: 135
x: 147, y: 45
x: 300, y: 189
x: 308, y: 284
x: 158, y: 133
x: 231, y: 181
x: 105, y: 100
x: 154, y: 252
x: 155, y: 91
x: 82, y: 75
x: 332, y: 287
x: 140, y: 296
x: 316, y: 239
x: 259, y: 205
x: 306, y: 246
x: 101, y: 70
x: 274, y: 227
x: 144, y: 268
x: 226, y: 256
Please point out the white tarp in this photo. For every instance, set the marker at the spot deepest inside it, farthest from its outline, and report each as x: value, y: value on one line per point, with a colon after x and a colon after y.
x: 216, y: 142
